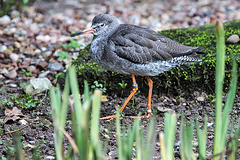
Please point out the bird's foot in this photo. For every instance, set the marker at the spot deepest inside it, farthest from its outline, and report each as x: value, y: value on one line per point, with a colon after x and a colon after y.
x: 109, y: 118
x: 143, y: 116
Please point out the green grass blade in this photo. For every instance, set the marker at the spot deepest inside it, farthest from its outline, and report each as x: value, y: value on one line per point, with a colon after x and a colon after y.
x: 182, y: 146
x: 149, y: 147
x: 85, y: 145
x: 81, y: 117
x: 230, y: 99
x: 59, y: 116
x: 63, y: 115
x: 163, y: 146
x: 202, y: 139
x: 119, y: 139
x: 234, y: 144
x: 86, y: 91
x: 169, y: 130
x: 139, y: 139
x: 186, y: 137
x: 75, y: 90
x: 220, y: 65
x: 96, y: 104
x: 54, y: 105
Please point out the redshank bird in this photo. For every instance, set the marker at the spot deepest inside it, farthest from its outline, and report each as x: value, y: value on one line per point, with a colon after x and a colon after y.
x: 133, y: 50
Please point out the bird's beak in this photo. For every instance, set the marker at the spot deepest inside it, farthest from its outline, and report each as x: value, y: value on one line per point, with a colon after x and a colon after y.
x: 90, y: 30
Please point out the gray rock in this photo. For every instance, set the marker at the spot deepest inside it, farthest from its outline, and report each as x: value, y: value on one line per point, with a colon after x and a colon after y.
x: 56, y: 66
x: 233, y: 39
x: 5, y: 20
x: 37, y: 85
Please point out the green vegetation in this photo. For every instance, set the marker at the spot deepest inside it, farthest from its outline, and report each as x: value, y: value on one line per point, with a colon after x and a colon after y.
x: 28, y: 74
x: 59, y: 75
x: 28, y: 102
x: 182, y: 78
x: 99, y: 86
x: 85, y: 124
x: 223, y: 146
x: 123, y: 84
x: 71, y: 45
x: 85, y: 142
x: 62, y: 55
x: 204, y: 72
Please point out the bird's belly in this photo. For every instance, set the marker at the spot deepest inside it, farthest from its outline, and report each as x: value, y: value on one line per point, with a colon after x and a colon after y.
x: 149, y: 69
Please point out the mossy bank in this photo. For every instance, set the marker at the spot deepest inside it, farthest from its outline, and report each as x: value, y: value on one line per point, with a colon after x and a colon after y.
x: 182, y: 79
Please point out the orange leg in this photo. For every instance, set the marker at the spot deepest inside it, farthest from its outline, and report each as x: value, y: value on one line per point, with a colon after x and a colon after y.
x: 150, y: 84
x: 149, y: 111
x: 135, y: 88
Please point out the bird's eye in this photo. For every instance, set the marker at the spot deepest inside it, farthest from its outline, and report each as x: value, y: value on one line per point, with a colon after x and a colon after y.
x: 102, y: 25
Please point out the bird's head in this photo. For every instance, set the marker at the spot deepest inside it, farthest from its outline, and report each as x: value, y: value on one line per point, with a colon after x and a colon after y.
x: 101, y: 25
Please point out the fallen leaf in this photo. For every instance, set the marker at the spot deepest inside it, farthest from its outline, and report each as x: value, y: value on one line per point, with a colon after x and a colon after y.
x: 12, y: 114
x: 104, y: 98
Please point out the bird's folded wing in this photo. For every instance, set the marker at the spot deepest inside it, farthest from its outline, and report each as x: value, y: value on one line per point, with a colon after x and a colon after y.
x: 141, y: 45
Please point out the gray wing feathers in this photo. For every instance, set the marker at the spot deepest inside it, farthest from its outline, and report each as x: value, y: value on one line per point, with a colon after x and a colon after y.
x: 140, y: 45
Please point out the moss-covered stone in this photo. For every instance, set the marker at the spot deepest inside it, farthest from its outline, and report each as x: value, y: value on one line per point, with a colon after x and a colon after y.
x: 184, y: 78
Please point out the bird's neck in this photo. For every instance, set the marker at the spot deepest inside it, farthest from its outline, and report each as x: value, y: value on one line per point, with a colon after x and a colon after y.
x: 97, y: 47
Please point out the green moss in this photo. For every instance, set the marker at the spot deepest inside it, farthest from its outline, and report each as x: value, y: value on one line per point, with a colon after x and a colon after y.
x: 185, y: 78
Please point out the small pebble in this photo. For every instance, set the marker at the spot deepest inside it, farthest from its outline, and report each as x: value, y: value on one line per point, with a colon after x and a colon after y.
x: 49, y: 157
x: 12, y: 74
x: 23, y: 122
x: 17, y: 44
x: 5, y: 20
x: 43, y: 38
x: 3, y: 48
x: 14, y: 14
x: 113, y: 154
x: 14, y: 57
x: 2, y: 55
x: 34, y: 28
x: 200, y: 99
x: 42, y: 64
x: 12, y: 85
x: 31, y: 142
x: 37, y: 51
x: 44, y: 74
x: 31, y: 68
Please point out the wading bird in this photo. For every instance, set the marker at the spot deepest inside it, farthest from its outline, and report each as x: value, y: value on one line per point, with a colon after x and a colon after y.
x: 133, y: 50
